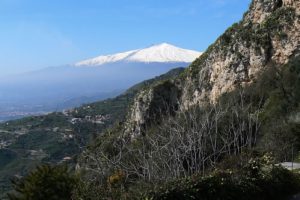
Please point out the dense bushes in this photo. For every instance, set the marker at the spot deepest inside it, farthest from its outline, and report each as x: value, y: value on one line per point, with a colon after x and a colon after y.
x: 281, y: 130
x: 257, y: 180
x: 46, y: 182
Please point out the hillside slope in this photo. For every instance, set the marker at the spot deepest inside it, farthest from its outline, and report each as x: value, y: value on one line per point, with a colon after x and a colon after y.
x: 60, y: 137
x: 240, y: 97
x: 267, y: 36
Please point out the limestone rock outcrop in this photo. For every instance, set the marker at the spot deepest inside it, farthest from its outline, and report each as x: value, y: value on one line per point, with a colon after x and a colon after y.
x: 269, y: 34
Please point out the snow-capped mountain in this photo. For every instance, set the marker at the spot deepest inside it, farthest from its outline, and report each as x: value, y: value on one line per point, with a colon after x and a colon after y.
x: 102, y: 77
x: 161, y: 53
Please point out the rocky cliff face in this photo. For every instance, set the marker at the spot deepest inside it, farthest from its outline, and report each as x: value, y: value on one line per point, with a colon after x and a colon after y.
x: 269, y: 34
x: 150, y: 105
x: 260, y: 9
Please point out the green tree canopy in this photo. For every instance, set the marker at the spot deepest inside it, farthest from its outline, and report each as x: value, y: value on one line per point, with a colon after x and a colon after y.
x: 45, y: 182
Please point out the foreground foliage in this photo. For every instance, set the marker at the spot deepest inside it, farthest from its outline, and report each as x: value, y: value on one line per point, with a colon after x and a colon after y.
x: 256, y: 181
x: 45, y: 182
x: 247, y: 179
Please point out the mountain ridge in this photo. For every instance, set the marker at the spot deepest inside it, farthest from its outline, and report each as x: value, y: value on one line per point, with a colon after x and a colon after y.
x: 52, y: 88
x: 163, y: 52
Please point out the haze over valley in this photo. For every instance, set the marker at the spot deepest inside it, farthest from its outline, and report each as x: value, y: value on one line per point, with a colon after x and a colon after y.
x: 58, y: 88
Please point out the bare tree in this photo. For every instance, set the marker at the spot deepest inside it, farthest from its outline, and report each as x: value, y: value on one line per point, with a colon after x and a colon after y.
x: 189, y: 142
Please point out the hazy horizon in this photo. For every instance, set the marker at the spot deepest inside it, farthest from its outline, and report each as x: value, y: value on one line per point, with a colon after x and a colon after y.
x: 37, y: 35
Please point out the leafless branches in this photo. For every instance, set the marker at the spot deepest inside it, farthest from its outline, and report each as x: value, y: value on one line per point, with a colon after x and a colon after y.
x: 187, y: 143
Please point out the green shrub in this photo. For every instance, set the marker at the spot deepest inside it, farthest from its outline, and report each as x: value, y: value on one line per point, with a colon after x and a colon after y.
x: 257, y: 180
x: 45, y: 182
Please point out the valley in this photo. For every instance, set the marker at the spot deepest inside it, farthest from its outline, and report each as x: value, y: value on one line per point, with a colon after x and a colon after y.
x: 60, y: 137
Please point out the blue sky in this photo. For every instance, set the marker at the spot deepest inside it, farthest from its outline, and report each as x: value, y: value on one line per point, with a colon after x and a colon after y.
x: 41, y: 33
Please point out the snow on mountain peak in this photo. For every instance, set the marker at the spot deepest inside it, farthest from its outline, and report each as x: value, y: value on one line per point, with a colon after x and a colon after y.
x: 157, y: 53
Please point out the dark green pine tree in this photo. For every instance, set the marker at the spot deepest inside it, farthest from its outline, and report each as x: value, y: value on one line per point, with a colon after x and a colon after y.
x: 45, y: 183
